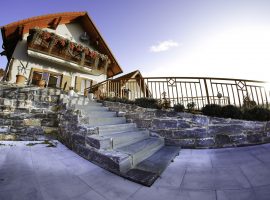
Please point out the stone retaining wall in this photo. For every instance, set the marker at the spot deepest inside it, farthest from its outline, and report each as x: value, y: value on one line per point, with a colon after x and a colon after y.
x: 28, y: 113
x: 194, y: 131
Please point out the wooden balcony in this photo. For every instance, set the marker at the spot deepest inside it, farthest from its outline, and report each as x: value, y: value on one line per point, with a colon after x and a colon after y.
x: 55, y: 48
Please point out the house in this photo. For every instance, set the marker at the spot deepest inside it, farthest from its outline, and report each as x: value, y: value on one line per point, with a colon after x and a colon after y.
x: 60, y: 50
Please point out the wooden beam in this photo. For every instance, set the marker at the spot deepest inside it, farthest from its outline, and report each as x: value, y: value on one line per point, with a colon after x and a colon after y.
x: 55, y: 22
x: 20, y: 31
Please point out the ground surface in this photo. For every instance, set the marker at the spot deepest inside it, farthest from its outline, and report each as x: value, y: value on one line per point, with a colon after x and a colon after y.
x: 39, y: 172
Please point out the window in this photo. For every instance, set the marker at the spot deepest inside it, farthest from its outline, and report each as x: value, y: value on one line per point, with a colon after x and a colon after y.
x: 52, y: 79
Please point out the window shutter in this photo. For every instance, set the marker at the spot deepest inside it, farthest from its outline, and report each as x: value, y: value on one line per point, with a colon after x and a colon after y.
x: 66, y: 82
x: 78, y: 82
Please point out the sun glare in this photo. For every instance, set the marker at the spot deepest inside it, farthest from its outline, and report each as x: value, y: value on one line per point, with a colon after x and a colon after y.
x: 234, y: 53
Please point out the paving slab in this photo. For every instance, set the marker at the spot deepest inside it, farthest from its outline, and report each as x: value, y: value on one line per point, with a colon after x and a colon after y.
x: 43, y: 173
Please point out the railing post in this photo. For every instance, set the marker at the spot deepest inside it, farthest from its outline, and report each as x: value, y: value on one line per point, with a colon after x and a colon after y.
x: 206, y: 90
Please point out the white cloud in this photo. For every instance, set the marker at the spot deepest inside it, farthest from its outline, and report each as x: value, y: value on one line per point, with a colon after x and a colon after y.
x: 164, y: 46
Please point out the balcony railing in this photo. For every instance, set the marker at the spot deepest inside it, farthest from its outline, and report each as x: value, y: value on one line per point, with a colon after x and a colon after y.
x: 184, y: 90
x: 59, y: 47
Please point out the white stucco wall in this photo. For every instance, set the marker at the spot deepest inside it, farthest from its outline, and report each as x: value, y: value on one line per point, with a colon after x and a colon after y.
x: 69, y: 31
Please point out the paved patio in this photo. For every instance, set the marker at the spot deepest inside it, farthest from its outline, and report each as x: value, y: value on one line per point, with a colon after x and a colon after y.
x: 39, y: 172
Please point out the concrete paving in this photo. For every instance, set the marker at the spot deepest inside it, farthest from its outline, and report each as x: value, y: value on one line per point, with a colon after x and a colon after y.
x: 45, y: 173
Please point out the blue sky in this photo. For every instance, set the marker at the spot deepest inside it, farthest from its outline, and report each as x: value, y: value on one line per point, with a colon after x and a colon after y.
x: 221, y: 38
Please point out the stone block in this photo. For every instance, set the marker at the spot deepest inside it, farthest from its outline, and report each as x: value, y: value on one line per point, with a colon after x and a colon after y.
x: 34, y: 131
x: 166, y: 133
x: 6, y: 102
x: 217, y: 120
x: 4, y: 129
x: 222, y: 139
x: 200, y: 120
x: 92, y: 131
x: 31, y: 122
x: 163, y: 123
x: 225, y: 129
x: 8, y: 137
x: 50, y: 130
x: 17, y: 123
x: 254, y: 137
x: 205, y: 142
x: 190, y: 133
x: 238, y: 139
x: 181, y: 123
x: 5, y: 122
x: 184, y: 143
x: 78, y: 138
x: 98, y: 142
x: 267, y: 126
x: 143, y: 123
x: 49, y: 122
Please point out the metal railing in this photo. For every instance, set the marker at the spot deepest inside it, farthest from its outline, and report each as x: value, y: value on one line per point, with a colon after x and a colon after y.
x: 184, y: 90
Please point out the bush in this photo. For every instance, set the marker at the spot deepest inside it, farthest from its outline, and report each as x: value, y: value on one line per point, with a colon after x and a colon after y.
x: 191, y: 106
x: 231, y: 111
x: 257, y: 114
x: 212, y: 110
x: 147, y: 103
x: 178, y: 108
x: 120, y: 100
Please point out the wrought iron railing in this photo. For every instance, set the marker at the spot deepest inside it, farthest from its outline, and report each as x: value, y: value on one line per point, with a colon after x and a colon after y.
x: 184, y: 90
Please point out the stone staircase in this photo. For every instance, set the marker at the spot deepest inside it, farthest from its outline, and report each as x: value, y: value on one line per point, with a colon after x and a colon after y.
x: 116, y: 145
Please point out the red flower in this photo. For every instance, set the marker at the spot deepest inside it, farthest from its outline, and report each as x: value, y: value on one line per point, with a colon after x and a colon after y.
x: 79, y: 48
x: 62, y: 42
x: 71, y: 46
x: 93, y: 54
x: 45, y: 35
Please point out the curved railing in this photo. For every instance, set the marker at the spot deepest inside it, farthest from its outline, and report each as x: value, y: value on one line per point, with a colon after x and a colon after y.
x: 185, y: 90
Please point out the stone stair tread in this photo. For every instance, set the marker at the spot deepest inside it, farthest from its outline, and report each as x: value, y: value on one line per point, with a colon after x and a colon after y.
x: 158, y: 162
x: 101, y: 113
x: 117, y: 128
x: 150, y: 169
x: 141, y: 145
x: 116, y: 140
x: 106, y: 121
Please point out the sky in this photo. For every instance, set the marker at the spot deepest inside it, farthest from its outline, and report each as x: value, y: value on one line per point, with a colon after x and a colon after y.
x: 206, y: 38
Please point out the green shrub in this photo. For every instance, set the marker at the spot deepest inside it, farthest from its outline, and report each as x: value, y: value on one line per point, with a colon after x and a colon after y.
x: 231, y: 111
x: 191, y: 106
x: 147, y: 103
x: 120, y: 100
x: 179, y: 108
x: 212, y: 110
x: 257, y: 114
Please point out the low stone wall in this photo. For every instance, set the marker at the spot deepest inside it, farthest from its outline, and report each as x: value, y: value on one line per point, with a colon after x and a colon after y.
x: 195, y: 131
x: 28, y: 113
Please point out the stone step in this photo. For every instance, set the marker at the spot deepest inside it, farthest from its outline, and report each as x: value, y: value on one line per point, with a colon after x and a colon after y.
x: 89, y: 104
x: 105, y: 121
x: 147, y: 171
x: 118, y: 128
x: 95, y: 114
x: 143, y: 149
x: 116, y: 140
x: 89, y: 108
